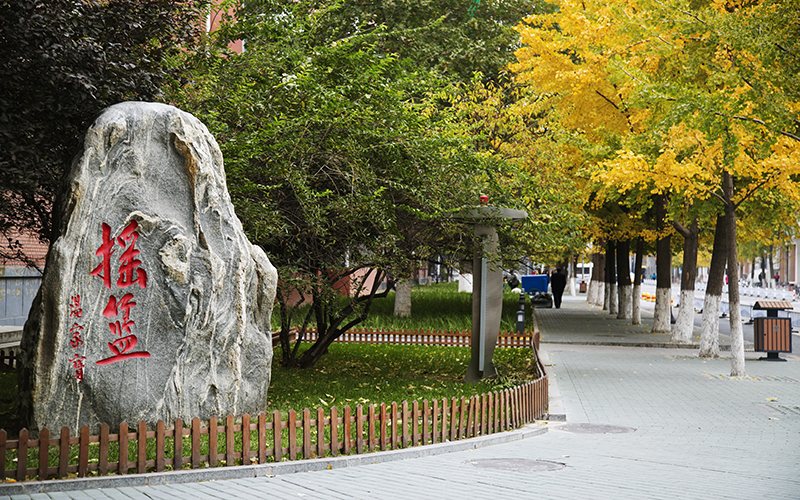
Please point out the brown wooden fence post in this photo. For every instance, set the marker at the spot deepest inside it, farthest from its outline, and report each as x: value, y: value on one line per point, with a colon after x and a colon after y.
x: 122, y: 437
x: 463, y: 432
x: 334, y: 432
x: 474, y: 416
x: 196, y: 443
x: 495, y: 400
x: 44, y: 454
x: 371, y: 427
x: 246, y: 439
x: 405, y: 420
x: 394, y: 419
x: 383, y: 422
x: 306, y: 433
x: 213, y: 443
x: 160, y: 446
x: 453, y: 419
x: 141, y: 447
x: 320, y: 432
x: 444, y: 420
x: 262, y: 438
x: 102, y: 461
x: 277, y: 433
x: 83, y: 452
x: 177, y: 435
x: 230, y: 442
x: 415, y: 434
x: 484, y: 406
x: 22, y: 455
x: 359, y: 429
x: 347, y: 431
x: 435, y: 422
x: 425, y: 422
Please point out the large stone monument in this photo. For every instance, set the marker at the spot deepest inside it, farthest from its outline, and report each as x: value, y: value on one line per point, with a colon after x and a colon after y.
x: 154, y: 305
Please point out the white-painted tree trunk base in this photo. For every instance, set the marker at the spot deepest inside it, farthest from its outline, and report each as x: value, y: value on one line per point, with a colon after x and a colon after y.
x: 684, y: 325
x: 737, y: 342
x: 601, y: 292
x: 625, y: 306
x: 709, y: 330
x: 636, y: 305
x: 572, y: 290
x: 661, y: 317
x: 402, y: 298
x: 606, y: 295
x: 591, y: 292
x: 612, y: 300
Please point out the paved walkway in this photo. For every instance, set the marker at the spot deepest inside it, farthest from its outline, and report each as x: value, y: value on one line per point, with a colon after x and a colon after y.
x: 578, y: 322
x: 662, y: 424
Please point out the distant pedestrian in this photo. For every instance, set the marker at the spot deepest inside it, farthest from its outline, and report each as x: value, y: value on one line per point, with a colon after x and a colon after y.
x: 558, y: 281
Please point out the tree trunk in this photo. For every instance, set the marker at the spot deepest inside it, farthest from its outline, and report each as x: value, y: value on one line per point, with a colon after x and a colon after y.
x: 737, y: 334
x: 596, y: 290
x: 624, y: 279
x: 402, y: 298
x: 662, y: 316
x: 611, y: 279
x: 684, y: 326
x: 571, y: 273
x: 771, y: 250
x: 636, y: 299
x: 709, y: 331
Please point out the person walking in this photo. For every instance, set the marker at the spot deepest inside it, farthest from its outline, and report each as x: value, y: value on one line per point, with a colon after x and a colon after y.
x: 558, y: 281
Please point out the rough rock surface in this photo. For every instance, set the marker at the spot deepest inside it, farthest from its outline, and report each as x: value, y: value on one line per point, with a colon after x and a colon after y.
x: 154, y: 305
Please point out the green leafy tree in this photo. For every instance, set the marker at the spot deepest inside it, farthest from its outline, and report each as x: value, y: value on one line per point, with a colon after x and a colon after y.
x: 61, y: 62
x: 337, y: 155
x: 455, y: 38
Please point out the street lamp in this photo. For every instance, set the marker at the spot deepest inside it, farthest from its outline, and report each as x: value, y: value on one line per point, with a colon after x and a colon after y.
x: 521, y: 321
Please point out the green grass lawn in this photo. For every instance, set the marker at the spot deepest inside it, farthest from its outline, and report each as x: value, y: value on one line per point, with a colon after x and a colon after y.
x: 365, y: 373
x: 433, y: 307
x: 352, y: 374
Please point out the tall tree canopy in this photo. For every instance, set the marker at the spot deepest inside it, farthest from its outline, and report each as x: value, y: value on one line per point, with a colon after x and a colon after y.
x: 339, y: 157
x: 704, y: 94
x: 61, y: 62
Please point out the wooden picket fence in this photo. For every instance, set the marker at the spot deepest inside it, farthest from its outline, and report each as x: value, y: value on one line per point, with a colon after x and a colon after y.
x: 245, y: 441
x: 250, y: 441
x: 8, y: 360
x: 425, y: 337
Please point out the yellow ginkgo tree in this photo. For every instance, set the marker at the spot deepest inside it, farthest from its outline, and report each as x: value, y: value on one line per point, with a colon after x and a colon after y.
x: 694, y: 102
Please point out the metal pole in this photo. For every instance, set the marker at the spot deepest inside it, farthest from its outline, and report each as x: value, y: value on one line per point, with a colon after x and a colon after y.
x: 482, y: 331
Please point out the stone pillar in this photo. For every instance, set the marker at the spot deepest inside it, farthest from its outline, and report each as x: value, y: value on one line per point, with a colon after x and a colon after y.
x: 487, y: 304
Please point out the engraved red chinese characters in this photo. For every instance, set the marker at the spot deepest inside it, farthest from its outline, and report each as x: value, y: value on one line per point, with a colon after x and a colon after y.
x: 130, y: 272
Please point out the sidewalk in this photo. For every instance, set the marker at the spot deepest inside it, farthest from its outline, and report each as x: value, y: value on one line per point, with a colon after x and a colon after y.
x: 578, y: 322
x: 662, y: 424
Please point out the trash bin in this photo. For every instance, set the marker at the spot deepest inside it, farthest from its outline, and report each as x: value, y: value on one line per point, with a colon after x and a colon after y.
x: 772, y: 334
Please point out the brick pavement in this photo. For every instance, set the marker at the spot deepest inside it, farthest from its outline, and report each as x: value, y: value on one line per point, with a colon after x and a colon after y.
x: 578, y: 322
x: 699, y: 434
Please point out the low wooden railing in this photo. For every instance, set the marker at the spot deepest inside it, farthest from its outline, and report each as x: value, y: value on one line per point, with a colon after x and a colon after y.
x: 425, y: 337
x: 245, y: 440
x: 248, y: 441
x: 8, y: 360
